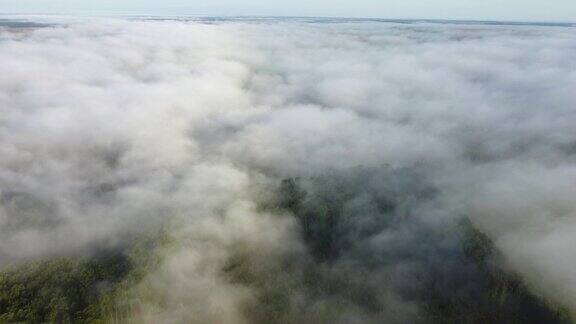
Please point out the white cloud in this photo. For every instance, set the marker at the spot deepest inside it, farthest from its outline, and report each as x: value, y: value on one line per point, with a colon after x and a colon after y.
x: 108, y: 128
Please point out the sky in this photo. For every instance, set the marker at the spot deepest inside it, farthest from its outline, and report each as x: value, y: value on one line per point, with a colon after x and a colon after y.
x: 511, y: 10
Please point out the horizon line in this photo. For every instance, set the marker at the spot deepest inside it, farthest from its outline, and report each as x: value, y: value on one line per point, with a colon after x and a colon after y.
x: 206, y: 16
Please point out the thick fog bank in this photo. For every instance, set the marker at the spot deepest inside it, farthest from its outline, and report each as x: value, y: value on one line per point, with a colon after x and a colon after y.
x: 305, y: 172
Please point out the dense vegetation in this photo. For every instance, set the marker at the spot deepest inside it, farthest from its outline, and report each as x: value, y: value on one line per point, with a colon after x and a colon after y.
x: 62, y: 290
x: 459, y: 272
x: 91, y: 289
x: 460, y: 282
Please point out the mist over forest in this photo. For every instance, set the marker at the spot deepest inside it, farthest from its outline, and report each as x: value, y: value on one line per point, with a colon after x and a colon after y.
x: 286, y: 171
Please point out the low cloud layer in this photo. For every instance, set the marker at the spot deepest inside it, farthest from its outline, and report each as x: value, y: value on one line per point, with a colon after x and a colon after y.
x: 110, y: 129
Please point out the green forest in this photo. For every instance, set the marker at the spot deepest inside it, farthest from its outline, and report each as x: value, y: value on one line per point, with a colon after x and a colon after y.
x: 98, y: 288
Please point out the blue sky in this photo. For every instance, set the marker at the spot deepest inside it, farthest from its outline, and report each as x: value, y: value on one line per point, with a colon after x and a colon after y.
x: 524, y: 10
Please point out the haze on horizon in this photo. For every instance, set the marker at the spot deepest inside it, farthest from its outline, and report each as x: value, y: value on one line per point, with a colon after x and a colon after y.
x: 510, y: 10
x: 279, y: 171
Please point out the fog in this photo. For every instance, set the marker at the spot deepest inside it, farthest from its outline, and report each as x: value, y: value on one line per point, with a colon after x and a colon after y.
x: 112, y: 129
